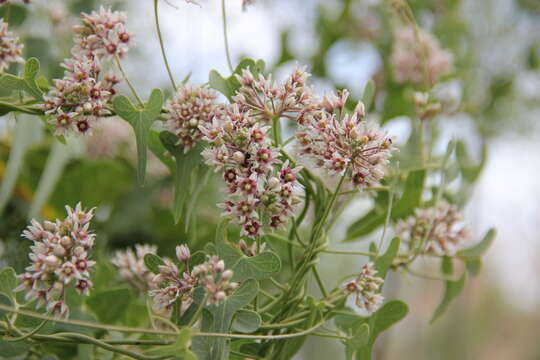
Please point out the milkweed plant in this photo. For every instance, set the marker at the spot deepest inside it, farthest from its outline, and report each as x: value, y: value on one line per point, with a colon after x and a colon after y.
x: 286, y: 160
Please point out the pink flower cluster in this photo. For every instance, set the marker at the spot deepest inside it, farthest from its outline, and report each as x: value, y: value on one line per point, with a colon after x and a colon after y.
x: 267, y: 100
x: 59, y: 258
x: 191, y: 107
x: 442, y: 226
x: 102, y: 34
x: 366, y: 287
x: 10, y: 47
x: 79, y: 99
x: 173, y: 285
x: 132, y: 267
x: 257, y: 181
x: 345, y: 144
x: 410, y: 57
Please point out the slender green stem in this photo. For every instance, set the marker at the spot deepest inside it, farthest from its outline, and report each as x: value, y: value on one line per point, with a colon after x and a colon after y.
x: 108, y: 347
x: 162, y: 46
x: 429, y: 276
x: 330, y: 336
x: 278, y: 284
x: 339, y: 252
x: 225, y: 36
x: 319, y: 281
x: 29, y: 334
x: 282, y: 325
x: 388, y: 216
x: 198, y: 312
x: 132, y: 88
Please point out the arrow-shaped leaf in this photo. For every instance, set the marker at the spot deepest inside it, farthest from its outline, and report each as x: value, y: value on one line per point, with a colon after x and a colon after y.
x: 27, y: 83
x: 141, y: 120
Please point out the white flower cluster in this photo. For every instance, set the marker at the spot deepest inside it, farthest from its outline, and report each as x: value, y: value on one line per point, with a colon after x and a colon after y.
x: 411, y: 58
x: 174, y: 285
x: 256, y: 179
x: 10, y: 47
x: 366, y: 287
x: 59, y: 258
x: 79, y: 99
x: 191, y: 107
x: 447, y: 233
x: 132, y: 267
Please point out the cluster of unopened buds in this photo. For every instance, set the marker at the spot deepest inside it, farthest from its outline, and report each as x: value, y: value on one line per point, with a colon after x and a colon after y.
x: 344, y: 144
x: 79, y: 99
x: 415, y: 58
x: 10, y: 47
x: 191, y: 107
x: 60, y: 257
x: 172, y: 285
x: 441, y: 227
x: 366, y: 288
x: 257, y: 181
x: 132, y: 267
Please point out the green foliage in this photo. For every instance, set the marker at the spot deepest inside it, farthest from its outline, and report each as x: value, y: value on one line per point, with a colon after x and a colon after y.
x: 152, y: 262
x: 469, y: 170
x: 218, y: 318
x: 8, y: 281
x: 140, y: 119
x: 452, y: 288
x: 384, y: 262
x: 246, y: 321
x: 26, y: 83
x: 179, y: 350
x: 228, y: 86
x: 109, y: 305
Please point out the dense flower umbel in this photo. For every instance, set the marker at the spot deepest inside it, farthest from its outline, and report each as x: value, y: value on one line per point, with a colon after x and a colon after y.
x: 59, y: 258
x: 366, y: 287
x: 132, y: 268
x: 410, y: 56
x: 336, y: 144
x: 447, y: 234
x: 257, y: 181
x: 102, y: 34
x: 267, y: 99
x: 10, y: 47
x: 191, y: 107
x: 174, y: 285
x: 79, y: 99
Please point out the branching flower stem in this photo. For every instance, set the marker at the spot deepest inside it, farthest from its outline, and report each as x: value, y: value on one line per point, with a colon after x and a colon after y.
x: 124, y: 75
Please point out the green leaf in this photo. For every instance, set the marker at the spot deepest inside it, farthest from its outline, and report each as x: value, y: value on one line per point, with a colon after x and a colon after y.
x: 229, y: 86
x: 187, y: 171
x: 246, y: 321
x: 480, y: 248
x: 155, y: 145
x: 389, y: 314
x: 9, y: 349
x: 365, y: 225
x: 16, y: 14
x: 384, y: 262
x: 244, y: 267
x: 109, y: 305
x: 412, y: 194
x: 152, y: 262
x: 452, y: 290
x: 219, y: 83
x: 359, y: 339
x: 8, y: 281
x: 218, y: 318
x: 469, y: 170
x: 5, y: 300
x: 140, y: 120
x: 369, y: 94
x: 27, y: 83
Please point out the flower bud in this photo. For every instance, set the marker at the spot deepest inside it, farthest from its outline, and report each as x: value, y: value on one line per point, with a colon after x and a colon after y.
x: 58, y: 250
x: 227, y: 275
x: 182, y: 253
x: 66, y: 242
x: 360, y: 110
x: 238, y: 156
x: 273, y: 182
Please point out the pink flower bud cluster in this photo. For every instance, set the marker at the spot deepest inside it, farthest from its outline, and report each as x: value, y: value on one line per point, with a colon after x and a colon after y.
x: 338, y: 143
x: 172, y: 284
x: 267, y: 99
x: 59, y: 258
x: 191, y: 107
x: 79, y: 99
x: 257, y: 181
x: 132, y: 267
x: 447, y: 230
x: 102, y: 34
x: 411, y: 57
x: 366, y: 288
x: 10, y: 47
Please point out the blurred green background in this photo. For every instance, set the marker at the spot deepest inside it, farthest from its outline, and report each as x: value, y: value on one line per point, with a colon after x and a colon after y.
x: 344, y: 43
